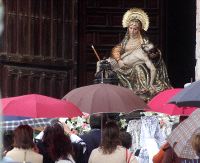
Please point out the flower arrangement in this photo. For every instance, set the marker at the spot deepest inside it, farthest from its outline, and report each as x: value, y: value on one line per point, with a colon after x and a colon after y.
x: 122, y: 122
x: 79, y: 125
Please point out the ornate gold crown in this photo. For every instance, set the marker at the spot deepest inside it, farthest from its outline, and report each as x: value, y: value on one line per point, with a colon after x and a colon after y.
x: 136, y: 13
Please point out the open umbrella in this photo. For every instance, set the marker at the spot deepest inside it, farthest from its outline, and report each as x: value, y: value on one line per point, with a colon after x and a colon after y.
x: 33, y: 122
x: 13, y: 118
x: 180, y: 138
x: 105, y: 98
x: 160, y: 103
x: 189, y: 96
x: 38, y: 106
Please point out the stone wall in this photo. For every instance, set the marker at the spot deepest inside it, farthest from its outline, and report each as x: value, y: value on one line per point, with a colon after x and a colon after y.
x: 197, y: 67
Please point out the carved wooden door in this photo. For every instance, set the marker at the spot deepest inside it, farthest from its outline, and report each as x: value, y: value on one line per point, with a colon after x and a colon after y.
x: 38, y: 50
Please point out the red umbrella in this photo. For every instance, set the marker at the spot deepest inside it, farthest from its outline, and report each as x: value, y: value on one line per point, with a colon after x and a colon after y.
x: 160, y: 104
x: 105, y: 98
x: 38, y: 106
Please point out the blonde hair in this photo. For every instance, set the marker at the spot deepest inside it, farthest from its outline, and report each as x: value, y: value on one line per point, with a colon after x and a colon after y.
x: 196, y: 143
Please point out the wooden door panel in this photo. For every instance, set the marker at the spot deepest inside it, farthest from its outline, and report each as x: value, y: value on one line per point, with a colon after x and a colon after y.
x: 23, y: 35
x: 39, y: 32
x: 35, y: 38
x: 45, y: 40
x: 11, y: 35
x: 135, y: 3
x: 17, y: 80
x: 39, y: 47
x: 35, y: 7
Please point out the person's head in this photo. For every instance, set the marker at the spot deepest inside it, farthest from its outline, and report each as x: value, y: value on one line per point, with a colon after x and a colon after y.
x: 134, y: 27
x: 126, y: 139
x: 117, y: 50
x: 59, y: 144
x: 110, y: 137
x: 58, y: 128
x: 196, y: 143
x: 95, y: 120
x: 23, y: 137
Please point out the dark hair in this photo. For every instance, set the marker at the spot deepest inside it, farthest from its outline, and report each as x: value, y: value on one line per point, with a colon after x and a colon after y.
x: 61, y: 145
x: 58, y: 128
x: 46, y: 147
x: 126, y: 139
x: 95, y: 120
x: 196, y: 143
x: 48, y: 134
x: 50, y: 131
x: 110, y: 138
x: 182, y: 118
x: 174, y: 126
x: 23, y: 137
x: 7, y: 141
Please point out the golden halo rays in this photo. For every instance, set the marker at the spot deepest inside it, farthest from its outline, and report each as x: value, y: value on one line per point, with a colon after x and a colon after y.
x: 135, y: 13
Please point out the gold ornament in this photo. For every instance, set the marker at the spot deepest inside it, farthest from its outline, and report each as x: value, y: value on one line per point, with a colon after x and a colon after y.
x: 136, y: 13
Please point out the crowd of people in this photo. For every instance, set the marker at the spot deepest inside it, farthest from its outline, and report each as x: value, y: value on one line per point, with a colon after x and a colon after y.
x: 59, y: 144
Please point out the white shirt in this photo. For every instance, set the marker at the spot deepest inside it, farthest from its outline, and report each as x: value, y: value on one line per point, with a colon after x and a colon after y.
x: 71, y: 160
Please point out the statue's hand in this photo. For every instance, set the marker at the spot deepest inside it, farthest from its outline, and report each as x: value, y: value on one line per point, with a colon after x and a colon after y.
x: 98, y: 66
x: 121, y: 64
x: 153, y: 89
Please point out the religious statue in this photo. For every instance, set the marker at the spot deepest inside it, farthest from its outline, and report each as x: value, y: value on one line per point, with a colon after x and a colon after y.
x: 137, y: 62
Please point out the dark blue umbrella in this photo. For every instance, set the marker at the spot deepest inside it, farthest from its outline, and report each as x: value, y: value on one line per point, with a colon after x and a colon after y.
x: 189, y: 96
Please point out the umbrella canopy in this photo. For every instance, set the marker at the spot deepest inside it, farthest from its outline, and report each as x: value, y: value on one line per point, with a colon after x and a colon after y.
x: 38, y: 106
x: 189, y: 96
x: 105, y: 98
x: 11, y: 118
x: 180, y: 138
x: 33, y: 122
x: 160, y: 104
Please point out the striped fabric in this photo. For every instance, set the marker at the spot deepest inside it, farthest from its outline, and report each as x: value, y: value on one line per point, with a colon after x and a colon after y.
x: 33, y: 122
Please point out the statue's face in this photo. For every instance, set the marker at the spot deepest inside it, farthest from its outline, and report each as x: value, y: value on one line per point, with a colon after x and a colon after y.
x: 134, y: 29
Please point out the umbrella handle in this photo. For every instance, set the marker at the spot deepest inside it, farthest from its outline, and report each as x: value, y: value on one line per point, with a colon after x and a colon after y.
x: 101, y: 127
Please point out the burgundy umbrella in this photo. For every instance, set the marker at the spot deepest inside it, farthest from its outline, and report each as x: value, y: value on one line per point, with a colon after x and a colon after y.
x: 105, y: 98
